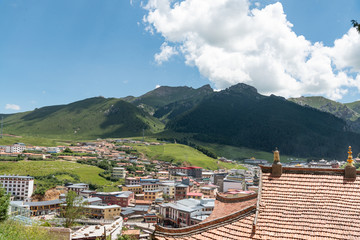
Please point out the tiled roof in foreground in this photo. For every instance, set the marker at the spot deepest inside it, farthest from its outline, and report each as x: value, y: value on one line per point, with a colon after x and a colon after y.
x: 302, y: 203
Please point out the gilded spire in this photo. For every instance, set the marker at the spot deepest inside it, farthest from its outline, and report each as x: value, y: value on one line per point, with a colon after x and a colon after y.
x: 276, y: 155
x: 350, y: 159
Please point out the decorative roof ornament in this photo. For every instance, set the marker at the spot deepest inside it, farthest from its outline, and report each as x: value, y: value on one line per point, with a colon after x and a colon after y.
x: 276, y: 155
x: 350, y: 158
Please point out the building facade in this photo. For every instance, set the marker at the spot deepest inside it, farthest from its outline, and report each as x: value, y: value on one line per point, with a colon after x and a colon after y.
x: 195, y: 172
x: 122, y: 199
x: 20, y: 187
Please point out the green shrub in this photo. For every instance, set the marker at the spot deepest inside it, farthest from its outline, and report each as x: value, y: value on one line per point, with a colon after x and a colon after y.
x: 14, y: 230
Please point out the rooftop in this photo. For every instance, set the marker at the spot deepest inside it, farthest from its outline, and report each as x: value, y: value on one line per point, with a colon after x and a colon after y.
x: 101, y: 207
x: 44, y: 203
x: 13, y: 176
x: 300, y: 203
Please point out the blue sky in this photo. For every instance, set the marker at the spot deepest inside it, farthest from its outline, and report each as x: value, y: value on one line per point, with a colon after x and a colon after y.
x: 56, y: 52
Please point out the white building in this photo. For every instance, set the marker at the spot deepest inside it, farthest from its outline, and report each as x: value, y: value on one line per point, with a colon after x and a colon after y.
x: 168, y: 188
x: 15, y: 148
x: 20, y: 187
x: 118, y: 172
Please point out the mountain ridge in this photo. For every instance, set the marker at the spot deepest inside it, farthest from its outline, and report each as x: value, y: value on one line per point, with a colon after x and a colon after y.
x: 236, y: 116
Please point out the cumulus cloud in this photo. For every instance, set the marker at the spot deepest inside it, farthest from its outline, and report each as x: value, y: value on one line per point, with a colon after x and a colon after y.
x: 166, y: 52
x: 230, y: 41
x: 157, y: 86
x: 12, y: 107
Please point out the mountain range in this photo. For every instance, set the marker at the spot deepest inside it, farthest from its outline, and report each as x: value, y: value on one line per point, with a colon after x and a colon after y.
x: 236, y: 116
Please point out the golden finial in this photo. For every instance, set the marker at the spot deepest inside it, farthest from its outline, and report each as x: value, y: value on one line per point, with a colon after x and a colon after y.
x: 350, y: 159
x: 276, y: 155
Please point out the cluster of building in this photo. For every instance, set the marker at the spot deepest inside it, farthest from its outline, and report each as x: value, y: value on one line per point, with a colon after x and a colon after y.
x: 169, y: 195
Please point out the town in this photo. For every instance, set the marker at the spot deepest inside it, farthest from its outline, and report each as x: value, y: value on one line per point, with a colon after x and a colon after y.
x: 148, y: 191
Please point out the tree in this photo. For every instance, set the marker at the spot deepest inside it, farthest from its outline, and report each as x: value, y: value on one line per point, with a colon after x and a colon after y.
x: 73, y: 209
x: 356, y: 25
x: 68, y: 150
x: 4, y: 204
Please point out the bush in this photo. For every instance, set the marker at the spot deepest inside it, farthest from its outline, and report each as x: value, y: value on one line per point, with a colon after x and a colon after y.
x: 15, y: 230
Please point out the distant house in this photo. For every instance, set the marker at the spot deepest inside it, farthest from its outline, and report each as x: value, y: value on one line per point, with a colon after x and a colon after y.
x: 78, y: 187
x: 119, y: 172
x: 254, y: 161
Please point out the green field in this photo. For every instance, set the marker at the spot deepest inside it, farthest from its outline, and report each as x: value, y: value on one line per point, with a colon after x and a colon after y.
x: 36, y: 141
x: 86, y: 173
x: 241, y: 153
x: 184, y: 154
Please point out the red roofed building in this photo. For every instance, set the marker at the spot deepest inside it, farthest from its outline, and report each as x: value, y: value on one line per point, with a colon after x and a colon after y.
x: 195, y: 195
x: 292, y: 203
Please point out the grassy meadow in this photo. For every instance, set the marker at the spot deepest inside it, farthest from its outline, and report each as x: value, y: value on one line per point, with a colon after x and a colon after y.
x: 183, y: 153
x: 240, y: 153
x: 86, y: 173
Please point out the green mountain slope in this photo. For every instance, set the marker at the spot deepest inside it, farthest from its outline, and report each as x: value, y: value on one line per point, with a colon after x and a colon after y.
x: 89, y: 118
x: 344, y: 111
x: 355, y: 106
x: 239, y: 116
x: 164, y: 101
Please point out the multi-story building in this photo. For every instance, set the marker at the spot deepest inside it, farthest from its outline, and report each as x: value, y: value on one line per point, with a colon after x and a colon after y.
x: 103, y: 212
x: 122, y: 199
x: 119, y: 172
x: 186, y: 212
x: 209, y: 191
x: 150, y: 186
x: 195, y: 172
x: 168, y: 188
x: 152, y: 195
x: 20, y: 187
x: 137, y: 189
x: 15, y: 148
x: 181, y: 191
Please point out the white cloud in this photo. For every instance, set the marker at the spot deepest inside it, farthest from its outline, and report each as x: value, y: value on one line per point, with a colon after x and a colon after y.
x: 230, y: 43
x: 157, y: 86
x: 12, y: 107
x: 165, y: 54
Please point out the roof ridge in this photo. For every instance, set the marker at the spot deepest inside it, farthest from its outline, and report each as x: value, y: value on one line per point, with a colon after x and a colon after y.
x: 257, y: 204
x: 235, y: 199
x: 326, y: 171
